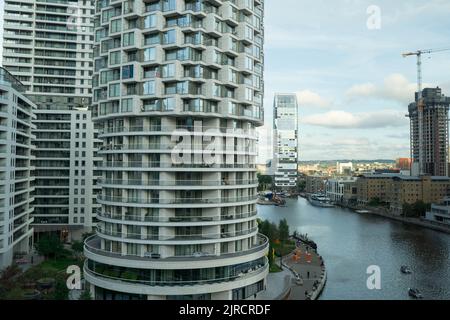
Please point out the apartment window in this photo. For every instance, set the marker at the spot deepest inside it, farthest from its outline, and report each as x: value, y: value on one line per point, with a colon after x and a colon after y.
x: 150, y: 21
x: 127, y: 105
x: 168, y: 70
x: 114, y: 90
x: 149, y: 54
x: 149, y: 87
x: 169, y: 37
x: 127, y: 72
x: 128, y: 39
x: 116, y: 25
x: 114, y: 57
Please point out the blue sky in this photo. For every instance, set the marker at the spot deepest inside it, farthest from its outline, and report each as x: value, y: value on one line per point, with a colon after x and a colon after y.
x: 353, y: 85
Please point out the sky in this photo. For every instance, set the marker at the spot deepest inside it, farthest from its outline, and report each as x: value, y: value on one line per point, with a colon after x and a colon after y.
x: 345, y: 66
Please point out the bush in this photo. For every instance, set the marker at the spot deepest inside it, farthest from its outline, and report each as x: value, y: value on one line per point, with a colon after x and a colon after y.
x: 77, y: 246
x: 85, y: 295
x: 50, y: 246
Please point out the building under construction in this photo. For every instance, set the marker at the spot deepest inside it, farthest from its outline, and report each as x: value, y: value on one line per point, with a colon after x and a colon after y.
x: 434, y: 134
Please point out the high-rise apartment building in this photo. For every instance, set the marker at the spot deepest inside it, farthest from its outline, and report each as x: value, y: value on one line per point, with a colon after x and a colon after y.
x: 178, y: 221
x: 285, y: 140
x: 16, y: 178
x: 435, y: 133
x: 48, y: 46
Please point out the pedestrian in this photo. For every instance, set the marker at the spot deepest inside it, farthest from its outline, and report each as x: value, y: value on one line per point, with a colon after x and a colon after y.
x: 308, y: 274
x: 32, y: 258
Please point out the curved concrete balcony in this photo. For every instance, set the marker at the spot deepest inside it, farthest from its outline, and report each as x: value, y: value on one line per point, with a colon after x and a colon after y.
x: 94, y: 251
x: 177, y: 185
x: 176, y: 287
x: 175, y: 167
x: 170, y: 147
x: 176, y: 202
x: 176, y: 220
x: 161, y: 239
x: 179, y: 130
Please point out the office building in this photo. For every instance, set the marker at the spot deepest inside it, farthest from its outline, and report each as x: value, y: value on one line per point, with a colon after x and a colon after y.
x: 16, y: 177
x: 434, y: 133
x: 172, y: 224
x: 316, y: 184
x: 336, y: 187
x: 285, y: 158
x: 47, y: 45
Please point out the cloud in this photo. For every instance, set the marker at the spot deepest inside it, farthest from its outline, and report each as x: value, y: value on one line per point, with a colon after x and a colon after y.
x: 307, y: 98
x: 395, y: 87
x: 363, y: 120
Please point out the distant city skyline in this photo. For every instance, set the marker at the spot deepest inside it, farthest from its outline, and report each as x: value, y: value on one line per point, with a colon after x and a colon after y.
x: 353, y: 85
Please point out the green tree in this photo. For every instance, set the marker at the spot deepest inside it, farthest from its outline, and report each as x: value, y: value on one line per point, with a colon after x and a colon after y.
x: 264, y: 182
x: 50, y: 246
x: 61, y: 291
x: 77, y: 246
x: 85, y: 295
x: 283, y: 229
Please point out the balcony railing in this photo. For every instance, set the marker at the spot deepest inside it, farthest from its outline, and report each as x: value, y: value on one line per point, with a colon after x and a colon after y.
x: 175, y: 219
x: 175, y: 237
x: 251, y: 272
x: 151, y: 164
x: 181, y: 183
x: 176, y: 200
x: 93, y: 245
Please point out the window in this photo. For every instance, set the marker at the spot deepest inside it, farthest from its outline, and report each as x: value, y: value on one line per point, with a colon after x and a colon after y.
x: 114, y: 90
x: 116, y: 25
x: 149, y: 54
x: 114, y: 57
x: 127, y: 105
x: 168, y: 70
x: 149, y: 87
x: 128, y: 39
x: 127, y: 72
x: 150, y: 21
x: 169, y: 37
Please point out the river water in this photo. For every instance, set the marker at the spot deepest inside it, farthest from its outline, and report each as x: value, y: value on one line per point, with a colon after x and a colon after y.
x: 350, y: 242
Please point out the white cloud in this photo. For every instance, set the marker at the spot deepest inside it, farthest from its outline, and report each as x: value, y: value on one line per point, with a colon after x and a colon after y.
x: 363, y: 120
x: 307, y: 98
x: 395, y: 87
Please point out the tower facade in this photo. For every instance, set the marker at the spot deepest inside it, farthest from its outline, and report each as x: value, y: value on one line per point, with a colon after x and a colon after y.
x: 285, y: 140
x: 47, y: 45
x: 16, y: 171
x: 177, y: 95
x: 435, y: 133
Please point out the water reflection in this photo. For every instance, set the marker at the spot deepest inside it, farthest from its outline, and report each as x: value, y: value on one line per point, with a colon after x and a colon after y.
x: 351, y: 242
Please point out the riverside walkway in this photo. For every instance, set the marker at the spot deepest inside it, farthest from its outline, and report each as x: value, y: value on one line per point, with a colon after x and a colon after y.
x: 309, y: 267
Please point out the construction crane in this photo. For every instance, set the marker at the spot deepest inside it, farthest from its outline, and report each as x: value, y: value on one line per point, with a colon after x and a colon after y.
x: 420, y: 102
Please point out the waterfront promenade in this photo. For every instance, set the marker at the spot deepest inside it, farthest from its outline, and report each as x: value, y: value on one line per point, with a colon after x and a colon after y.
x: 309, y: 267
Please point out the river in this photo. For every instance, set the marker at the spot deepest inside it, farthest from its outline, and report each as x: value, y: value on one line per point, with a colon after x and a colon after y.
x: 350, y: 242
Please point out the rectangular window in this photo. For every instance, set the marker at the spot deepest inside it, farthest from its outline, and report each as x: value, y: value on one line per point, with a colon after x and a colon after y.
x: 150, y: 21
x: 114, y: 90
x: 128, y: 39
x: 149, y: 54
x: 127, y: 72
x: 149, y: 87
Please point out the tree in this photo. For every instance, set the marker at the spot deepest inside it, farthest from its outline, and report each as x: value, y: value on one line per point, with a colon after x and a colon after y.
x: 61, y: 290
x: 77, y: 246
x: 264, y: 182
x: 7, y: 276
x: 50, y: 246
x: 85, y: 295
x: 283, y: 230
